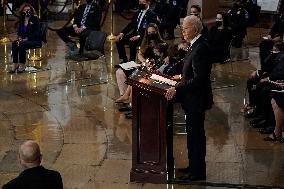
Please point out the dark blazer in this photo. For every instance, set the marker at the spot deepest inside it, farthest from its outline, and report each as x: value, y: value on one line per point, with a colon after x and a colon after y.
x: 94, y: 17
x: 194, y: 90
x: 33, y: 29
x: 149, y: 17
x: 36, y: 178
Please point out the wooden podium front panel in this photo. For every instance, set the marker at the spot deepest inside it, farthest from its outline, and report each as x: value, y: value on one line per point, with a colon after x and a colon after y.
x: 149, y: 150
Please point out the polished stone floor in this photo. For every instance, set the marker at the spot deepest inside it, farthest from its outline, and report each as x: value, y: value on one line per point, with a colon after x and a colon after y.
x: 85, y: 137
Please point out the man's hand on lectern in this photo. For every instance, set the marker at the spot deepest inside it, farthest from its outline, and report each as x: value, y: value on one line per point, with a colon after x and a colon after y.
x: 171, y: 92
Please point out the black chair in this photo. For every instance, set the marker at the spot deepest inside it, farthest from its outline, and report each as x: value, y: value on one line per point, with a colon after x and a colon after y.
x: 227, y: 60
x: 31, y: 58
x: 90, y: 67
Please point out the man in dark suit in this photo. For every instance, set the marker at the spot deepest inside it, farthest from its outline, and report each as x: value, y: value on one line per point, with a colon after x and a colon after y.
x: 34, y: 175
x: 133, y: 33
x: 87, y: 18
x: 195, y: 94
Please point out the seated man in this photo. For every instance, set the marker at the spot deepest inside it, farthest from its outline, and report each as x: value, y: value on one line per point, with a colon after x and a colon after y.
x: 34, y: 176
x: 87, y: 18
x: 133, y: 33
x: 275, y: 35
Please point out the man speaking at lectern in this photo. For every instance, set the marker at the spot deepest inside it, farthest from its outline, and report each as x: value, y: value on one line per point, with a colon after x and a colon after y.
x: 195, y: 94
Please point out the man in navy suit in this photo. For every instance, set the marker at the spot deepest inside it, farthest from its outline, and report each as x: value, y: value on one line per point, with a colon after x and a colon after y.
x: 133, y: 33
x: 87, y: 18
x: 195, y: 94
x: 34, y: 176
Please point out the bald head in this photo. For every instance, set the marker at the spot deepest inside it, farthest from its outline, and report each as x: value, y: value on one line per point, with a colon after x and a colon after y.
x: 29, y: 153
x: 192, y: 26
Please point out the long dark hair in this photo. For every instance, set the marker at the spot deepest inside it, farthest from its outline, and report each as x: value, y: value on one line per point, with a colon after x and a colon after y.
x: 146, y: 41
x: 21, y: 9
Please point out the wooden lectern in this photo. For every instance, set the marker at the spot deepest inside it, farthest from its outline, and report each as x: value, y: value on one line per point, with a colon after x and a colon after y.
x: 152, y: 131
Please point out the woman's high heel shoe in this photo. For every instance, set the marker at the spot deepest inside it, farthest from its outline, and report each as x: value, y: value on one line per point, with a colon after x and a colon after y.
x: 14, y: 69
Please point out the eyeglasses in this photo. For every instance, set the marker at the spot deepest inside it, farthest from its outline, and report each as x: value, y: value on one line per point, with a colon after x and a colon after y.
x: 184, y: 29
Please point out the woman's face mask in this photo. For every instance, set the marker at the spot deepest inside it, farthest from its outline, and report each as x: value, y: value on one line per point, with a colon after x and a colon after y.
x: 152, y: 36
x: 27, y: 13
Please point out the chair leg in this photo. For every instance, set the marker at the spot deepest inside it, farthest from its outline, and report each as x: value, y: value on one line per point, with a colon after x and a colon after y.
x: 34, y: 57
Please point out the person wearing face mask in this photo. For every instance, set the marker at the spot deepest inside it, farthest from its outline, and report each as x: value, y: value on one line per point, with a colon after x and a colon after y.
x: 151, y: 38
x: 28, y: 36
x: 238, y: 20
x: 133, y: 33
x: 259, y: 83
x: 219, y: 39
x: 87, y: 18
x: 33, y: 176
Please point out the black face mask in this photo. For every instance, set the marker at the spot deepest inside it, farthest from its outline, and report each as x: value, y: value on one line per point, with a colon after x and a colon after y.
x: 152, y: 36
x: 27, y: 13
x: 142, y: 6
x: 219, y: 23
x: 89, y: 1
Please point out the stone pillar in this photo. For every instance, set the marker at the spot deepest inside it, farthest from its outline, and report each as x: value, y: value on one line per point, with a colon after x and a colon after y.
x: 209, y: 9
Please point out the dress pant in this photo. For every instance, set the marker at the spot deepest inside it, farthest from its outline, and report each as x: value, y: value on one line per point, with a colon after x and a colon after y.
x: 196, y: 143
x: 65, y: 32
x: 132, y: 48
x: 19, y: 50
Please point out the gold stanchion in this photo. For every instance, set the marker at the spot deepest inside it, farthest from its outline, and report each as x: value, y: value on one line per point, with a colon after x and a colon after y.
x: 111, y: 36
x: 5, y: 38
x: 35, y: 57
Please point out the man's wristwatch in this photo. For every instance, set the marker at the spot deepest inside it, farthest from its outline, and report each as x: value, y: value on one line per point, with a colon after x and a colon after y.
x: 138, y: 36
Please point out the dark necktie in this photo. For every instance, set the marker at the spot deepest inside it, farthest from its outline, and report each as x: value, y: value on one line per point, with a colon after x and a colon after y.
x: 86, y: 11
x: 139, y: 19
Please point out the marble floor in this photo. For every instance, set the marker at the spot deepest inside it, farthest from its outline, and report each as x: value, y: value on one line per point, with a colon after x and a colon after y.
x: 84, y: 136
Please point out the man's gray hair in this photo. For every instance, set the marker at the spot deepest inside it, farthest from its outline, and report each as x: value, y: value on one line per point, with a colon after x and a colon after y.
x: 29, y: 152
x: 194, y: 22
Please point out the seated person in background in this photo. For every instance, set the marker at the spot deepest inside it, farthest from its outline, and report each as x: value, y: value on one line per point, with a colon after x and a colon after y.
x: 219, y: 39
x: 133, y: 33
x: 168, y: 16
x: 255, y: 77
x: 277, y: 103
x: 275, y: 35
x: 33, y: 176
x: 87, y: 18
x: 28, y: 36
x: 238, y: 20
x: 151, y: 38
x: 174, y: 61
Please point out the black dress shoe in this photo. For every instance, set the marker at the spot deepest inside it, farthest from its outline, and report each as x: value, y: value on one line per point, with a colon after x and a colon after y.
x: 261, y: 124
x: 184, y: 170
x: 125, y: 109
x: 250, y: 113
x: 256, y: 120
x: 192, y: 177
x: 128, y: 116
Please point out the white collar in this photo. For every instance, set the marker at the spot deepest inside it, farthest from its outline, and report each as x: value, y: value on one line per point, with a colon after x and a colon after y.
x: 194, y: 39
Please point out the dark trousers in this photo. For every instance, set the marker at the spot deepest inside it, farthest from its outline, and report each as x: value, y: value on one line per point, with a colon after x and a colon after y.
x: 19, y: 51
x: 237, y: 41
x: 196, y: 143
x: 132, y: 48
x: 65, y: 32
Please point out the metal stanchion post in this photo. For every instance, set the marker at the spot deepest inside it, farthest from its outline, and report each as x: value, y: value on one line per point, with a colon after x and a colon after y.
x: 111, y: 36
x: 5, y: 38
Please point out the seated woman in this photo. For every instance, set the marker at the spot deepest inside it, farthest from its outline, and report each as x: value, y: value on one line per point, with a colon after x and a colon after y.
x: 219, y: 39
x: 28, y: 37
x: 277, y: 103
x: 255, y: 77
x: 151, y: 38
